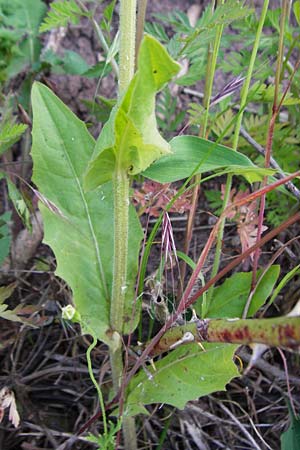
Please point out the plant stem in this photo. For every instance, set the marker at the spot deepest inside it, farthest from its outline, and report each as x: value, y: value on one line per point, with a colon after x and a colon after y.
x: 121, y: 215
x: 279, y: 331
x: 142, y: 8
x: 100, y: 36
x: 212, y: 55
x: 91, y: 374
x: 270, y: 135
x: 127, y: 43
x: 238, y: 125
x: 192, y: 299
x: 121, y: 199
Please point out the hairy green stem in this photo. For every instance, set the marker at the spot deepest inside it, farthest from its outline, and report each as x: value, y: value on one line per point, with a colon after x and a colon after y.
x: 127, y: 43
x: 279, y: 331
x: 121, y: 216
x: 238, y: 125
x: 121, y: 200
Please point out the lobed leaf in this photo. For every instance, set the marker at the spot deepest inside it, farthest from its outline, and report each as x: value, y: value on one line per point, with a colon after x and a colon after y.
x: 188, y: 372
x: 62, y: 13
x: 185, y: 374
x: 130, y: 139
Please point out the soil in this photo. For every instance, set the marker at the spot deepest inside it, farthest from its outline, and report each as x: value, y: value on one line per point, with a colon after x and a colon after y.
x: 45, y: 366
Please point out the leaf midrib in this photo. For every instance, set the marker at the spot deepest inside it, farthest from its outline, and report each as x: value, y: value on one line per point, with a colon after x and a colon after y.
x: 91, y: 227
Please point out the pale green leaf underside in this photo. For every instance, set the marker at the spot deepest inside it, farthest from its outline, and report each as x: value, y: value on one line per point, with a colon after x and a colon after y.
x: 185, y: 374
x: 82, y: 235
x: 191, y: 153
x: 130, y: 139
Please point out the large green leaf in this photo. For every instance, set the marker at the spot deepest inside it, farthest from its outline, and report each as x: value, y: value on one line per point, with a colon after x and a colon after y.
x: 78, y: 225
x: 184, y: 374
x: 130, y: 139
x: 191, y: 153
x: 188, y: 373
x: 229, y: 299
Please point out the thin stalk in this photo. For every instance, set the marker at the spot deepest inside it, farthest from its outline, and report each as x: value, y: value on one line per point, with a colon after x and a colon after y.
x: 121, y: 217
x: 26, y: 142
x: 141, y: 14
x: 25, y: 152
x: 212, y: 55
x: 238, y: 125
x: 211, y: 75
x: 279, y: 331
x: 100, y: 36
x: 103, y: 42
x: 91, y: 374
x: 270, y: 135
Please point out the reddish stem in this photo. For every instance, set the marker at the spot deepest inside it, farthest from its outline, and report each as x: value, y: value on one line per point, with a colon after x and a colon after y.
x: 275, y: 112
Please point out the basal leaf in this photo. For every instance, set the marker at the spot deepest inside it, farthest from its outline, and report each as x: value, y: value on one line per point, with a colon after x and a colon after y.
x: 81, y: 232
x: 130, y: 139
x: 191, y: 153
x: 229, y: 299
x: 185, y: 374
